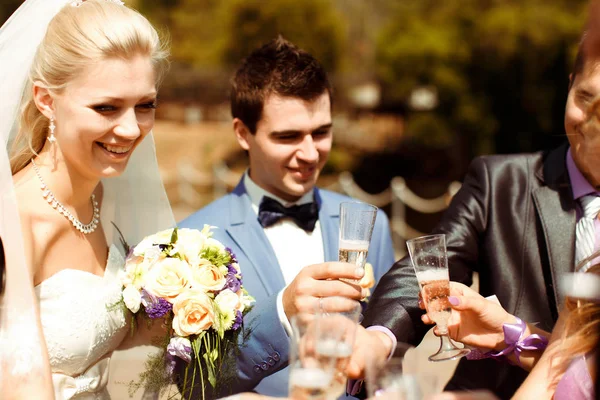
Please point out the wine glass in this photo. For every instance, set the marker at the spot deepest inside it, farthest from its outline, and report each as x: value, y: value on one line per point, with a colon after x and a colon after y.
x: 430, y: 261
x: 311, y: 374
x: 336, y: 324
x: 356, y: 227
x: 399, y: 377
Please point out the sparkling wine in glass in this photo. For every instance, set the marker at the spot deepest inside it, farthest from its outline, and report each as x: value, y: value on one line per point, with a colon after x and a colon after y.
x: 430, y: 261
x: 309, y: 383
x: 356, y: 227
x: 337, y: 321
x: 311, y: 374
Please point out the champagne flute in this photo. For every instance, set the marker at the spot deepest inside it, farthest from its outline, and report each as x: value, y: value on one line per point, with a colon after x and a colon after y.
x: 397, y: 378
x: 336, y: 323
x: 430, y: 261
x: 356, y: 227
x: 311, y: 374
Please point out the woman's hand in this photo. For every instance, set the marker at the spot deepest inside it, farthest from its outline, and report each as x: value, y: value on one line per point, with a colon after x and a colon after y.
x: 475, y: 321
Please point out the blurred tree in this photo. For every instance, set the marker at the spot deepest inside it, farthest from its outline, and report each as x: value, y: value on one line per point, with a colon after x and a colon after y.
x: 499, y: 67
x: 213, y: 34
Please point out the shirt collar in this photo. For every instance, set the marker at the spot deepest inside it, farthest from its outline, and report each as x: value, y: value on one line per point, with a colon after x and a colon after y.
x: 256, y: 194
x: 579, y: 185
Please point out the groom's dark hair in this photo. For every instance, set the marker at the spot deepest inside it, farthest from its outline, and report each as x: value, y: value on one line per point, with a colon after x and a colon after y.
x: 278, y: 67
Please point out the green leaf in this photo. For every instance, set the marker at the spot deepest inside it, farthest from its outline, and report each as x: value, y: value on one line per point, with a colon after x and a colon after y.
x: 174, y: 235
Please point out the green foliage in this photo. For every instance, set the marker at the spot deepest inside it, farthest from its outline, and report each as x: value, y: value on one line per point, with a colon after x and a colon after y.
x: 490, y: 60
x: 211, y: 33
x: 215, y: 256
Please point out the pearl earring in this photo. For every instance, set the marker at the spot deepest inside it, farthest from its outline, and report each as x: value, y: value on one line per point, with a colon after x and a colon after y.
x: 51, y: 127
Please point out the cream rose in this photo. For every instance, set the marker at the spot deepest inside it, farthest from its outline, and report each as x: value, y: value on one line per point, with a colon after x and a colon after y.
x: 132, y: 298
x: 208, y: 276
x: 168, y: 278
x: 193, y: 313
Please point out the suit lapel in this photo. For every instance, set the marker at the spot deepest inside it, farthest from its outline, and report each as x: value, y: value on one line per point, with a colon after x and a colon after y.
x: 248, y: 234
x: 329, y: 219
x: 556, y: 208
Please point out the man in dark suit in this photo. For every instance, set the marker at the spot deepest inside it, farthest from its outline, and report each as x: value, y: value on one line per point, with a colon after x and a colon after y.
x: 514, y: 222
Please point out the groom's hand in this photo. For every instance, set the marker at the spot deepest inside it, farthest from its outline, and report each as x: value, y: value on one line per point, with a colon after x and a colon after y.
x: 321, y: 280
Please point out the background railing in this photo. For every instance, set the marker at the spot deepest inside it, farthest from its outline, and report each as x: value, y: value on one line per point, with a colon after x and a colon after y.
x: 189, y: 183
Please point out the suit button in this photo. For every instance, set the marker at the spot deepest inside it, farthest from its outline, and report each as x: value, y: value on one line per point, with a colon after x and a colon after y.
x: 271, y: 361
x: 276, y: 356
x: 264, y: 366
x: 257, y: 369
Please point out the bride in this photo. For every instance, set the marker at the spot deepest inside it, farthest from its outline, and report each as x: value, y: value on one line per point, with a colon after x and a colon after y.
x: 79, y: 84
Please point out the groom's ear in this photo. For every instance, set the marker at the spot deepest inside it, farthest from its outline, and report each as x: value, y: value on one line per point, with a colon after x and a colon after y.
x: 43, y: 99
x: 242, y: 133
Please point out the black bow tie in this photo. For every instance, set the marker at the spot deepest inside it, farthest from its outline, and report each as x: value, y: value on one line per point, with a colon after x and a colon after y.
x: 305, y: 216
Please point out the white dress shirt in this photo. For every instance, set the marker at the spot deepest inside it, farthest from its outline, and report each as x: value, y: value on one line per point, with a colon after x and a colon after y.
x: 293, y: 246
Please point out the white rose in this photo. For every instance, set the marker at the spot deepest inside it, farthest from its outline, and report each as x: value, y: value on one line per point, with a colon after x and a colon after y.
x: 168, y: 278
x: 227, y: 300
x: 132, y: 298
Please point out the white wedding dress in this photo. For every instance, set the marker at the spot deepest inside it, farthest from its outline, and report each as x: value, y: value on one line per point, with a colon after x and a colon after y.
x: 82, y: 327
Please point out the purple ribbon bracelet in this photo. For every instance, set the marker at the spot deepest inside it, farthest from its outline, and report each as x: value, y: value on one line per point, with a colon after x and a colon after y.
x: 513, y: 334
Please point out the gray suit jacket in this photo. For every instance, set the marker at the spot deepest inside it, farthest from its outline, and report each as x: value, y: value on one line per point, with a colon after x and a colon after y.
x: 513, y: 221
x: 262, y: 362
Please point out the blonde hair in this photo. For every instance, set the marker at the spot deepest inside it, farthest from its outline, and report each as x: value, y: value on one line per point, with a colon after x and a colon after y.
x: 78, y: 37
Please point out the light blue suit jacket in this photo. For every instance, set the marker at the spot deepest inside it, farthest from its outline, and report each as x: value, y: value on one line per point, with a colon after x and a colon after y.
x: 264, y: 358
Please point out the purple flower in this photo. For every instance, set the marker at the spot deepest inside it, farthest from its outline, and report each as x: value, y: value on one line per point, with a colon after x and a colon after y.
x: 233, y: 257
x: 180, y: 347
x: 156, y: 307
x: 231, y: 269
x: 238, y: 321
x: 232, y: 282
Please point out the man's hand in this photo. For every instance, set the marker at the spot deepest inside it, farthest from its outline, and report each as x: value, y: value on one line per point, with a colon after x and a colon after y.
x: 371, y: 347
x: 318, y: 281
x: 475, y: 321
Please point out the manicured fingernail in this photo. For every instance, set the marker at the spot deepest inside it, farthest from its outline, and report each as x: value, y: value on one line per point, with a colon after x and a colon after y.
x: 360, y: 272
x: 453, y: 300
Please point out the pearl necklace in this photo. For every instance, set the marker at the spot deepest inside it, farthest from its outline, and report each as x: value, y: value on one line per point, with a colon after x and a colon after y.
x: 49, y: 196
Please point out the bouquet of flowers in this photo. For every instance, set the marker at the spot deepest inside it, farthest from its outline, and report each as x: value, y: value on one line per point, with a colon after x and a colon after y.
x: 194, y: 284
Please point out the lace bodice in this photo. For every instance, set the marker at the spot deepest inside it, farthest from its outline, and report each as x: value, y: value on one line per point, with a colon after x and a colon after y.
x: 82, y: 326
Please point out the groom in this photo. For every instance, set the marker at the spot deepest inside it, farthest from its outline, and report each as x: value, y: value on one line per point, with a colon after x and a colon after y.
x: 276, y: 221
